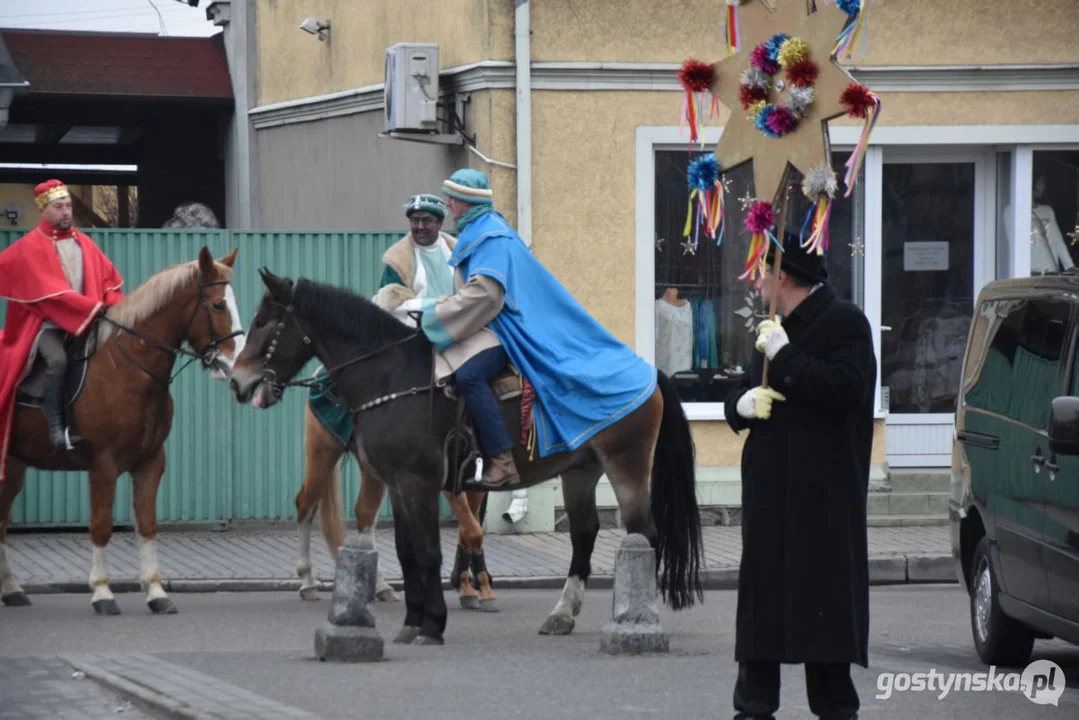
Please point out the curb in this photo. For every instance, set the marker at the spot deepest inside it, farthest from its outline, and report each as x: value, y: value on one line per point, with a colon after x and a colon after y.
x: 883, y: 570
x: 139, y: 694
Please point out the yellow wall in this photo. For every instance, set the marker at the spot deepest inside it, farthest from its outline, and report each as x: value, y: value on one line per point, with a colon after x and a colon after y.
x: 24, y: 195
x: 901, y: 32
x: 293, y: 64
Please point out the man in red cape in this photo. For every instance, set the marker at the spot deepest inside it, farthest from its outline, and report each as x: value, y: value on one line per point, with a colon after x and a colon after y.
x: 56, y: 282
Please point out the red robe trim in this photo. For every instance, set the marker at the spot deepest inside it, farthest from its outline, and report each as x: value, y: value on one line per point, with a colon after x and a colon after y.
x: 32, y: 281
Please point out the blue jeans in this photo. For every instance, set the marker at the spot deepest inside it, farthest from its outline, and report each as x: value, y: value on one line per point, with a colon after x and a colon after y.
x: 474, y: 385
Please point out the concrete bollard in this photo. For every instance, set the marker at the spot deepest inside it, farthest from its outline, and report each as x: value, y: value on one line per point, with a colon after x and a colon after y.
x: 634, y: 627
x: 349, y: 633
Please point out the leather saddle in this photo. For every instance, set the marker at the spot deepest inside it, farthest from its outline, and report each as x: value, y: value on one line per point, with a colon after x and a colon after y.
x: 31, y: 391
x: 460, y: 449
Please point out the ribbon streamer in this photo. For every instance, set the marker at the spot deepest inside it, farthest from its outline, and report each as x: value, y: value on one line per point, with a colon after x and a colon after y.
x: 854, y: 162
x: 734, y: 36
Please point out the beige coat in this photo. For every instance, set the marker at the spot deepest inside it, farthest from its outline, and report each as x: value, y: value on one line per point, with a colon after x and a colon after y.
x: 465, y: 314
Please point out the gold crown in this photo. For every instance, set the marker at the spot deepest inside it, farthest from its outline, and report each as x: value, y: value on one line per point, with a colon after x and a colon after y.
x: 53, y: 193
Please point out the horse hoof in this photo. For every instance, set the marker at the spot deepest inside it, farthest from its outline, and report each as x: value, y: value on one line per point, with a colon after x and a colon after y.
x: 106, y: 607
x: 430, y: 641
x: 470, y: 602
x: 557, y: 625
x: 406, y: 635
x: 309, y: 593
x: 16, y: 599
x: 161, y: 606
x: 386, y: 594
x: 490, y: 605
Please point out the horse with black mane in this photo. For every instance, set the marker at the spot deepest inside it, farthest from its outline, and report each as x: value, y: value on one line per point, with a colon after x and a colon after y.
x: 383, y: 370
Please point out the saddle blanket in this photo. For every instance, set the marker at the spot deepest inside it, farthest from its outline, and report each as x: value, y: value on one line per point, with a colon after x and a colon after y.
x: 331, y: 410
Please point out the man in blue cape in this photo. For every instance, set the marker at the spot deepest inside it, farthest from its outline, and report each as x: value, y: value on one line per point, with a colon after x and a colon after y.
x: 509, y: 308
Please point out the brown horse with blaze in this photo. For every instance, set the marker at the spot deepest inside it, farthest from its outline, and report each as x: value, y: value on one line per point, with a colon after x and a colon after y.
x: 123, y: 413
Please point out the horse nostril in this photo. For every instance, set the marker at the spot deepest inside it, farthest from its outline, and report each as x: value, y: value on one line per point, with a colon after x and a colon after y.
x: 234, y: 386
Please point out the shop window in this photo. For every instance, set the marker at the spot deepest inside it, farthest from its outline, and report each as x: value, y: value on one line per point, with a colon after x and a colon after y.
x: 705, y: 316
x: 1054, y: 221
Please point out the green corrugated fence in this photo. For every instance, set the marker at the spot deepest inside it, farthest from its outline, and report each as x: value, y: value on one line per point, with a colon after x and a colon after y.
x: 225, y: 462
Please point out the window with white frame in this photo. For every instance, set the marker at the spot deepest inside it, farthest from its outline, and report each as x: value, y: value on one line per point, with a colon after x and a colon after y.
x: 1054, y: 215
x: 705, y: 316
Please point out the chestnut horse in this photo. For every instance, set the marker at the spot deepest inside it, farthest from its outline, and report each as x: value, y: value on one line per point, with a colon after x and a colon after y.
x: 124, y: 412
x: 323, y: 456
x: 383, y: 371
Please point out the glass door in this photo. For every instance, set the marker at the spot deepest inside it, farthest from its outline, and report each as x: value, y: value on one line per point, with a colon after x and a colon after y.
x: 934, y: 250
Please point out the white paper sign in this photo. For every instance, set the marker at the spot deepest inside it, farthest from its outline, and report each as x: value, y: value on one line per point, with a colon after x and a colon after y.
x: 925, y: 256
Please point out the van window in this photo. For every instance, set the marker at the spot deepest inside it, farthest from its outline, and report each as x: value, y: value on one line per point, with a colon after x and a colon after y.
x: 1021, y: 372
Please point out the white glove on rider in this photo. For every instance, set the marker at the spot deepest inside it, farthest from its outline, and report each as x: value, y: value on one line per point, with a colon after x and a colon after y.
x: 771, y: 338
x: 756, y: 404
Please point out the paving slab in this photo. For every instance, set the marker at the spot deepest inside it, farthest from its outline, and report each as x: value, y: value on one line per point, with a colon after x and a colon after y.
x: 46, y: 688
x: 253, y: 559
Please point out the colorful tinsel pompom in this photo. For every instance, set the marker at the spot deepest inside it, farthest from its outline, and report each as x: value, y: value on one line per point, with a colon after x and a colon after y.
x: 762, y: 120
x: 749, y: 95
x: 781, y: 121
x: 820, y: 181
x: 851, y: 7
x: 703, y: 172
x: 774, y: 43
x: 793, y: 50
x: 696, y: 75
x: 799, y: 99
x: 857, y: 99
x: 760, y: 217
x: 756, y: 109
x: 755, y: 77
x: 803, y: 73
x: 759, y: 59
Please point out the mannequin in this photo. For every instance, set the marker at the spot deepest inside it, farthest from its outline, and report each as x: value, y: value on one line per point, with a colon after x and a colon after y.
x: 1048, y: 251
x: 674, y: 333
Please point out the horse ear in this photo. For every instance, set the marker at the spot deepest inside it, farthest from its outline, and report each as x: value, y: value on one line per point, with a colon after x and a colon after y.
x: 274, y: 284
x: 206, y: 262
x: 229, y: 259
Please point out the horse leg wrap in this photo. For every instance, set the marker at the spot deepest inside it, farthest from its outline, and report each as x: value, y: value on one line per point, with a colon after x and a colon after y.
x: 461, y: 564
x: 479, y: 565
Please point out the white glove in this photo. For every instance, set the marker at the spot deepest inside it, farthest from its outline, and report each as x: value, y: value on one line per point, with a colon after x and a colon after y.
x: 771, y: 338
x: 756, y: 404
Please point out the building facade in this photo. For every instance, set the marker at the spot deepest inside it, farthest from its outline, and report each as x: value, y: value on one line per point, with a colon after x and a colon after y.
x: 972, y: 173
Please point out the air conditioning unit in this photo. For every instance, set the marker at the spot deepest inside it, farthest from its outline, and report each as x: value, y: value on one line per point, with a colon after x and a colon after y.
x: 411, y: 90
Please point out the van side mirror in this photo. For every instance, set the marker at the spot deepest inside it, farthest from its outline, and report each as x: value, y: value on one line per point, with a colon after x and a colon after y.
x: 1064, y: 426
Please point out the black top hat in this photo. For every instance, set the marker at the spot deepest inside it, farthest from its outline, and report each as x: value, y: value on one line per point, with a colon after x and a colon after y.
x: 798, y: 260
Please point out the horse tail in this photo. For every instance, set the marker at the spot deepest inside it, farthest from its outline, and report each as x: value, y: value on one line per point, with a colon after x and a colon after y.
x: 674, y: 504
x: 329, y: 509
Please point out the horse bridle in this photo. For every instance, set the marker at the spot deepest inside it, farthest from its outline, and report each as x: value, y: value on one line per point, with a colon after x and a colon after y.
x: 269, y: 375
x: 208, y: 355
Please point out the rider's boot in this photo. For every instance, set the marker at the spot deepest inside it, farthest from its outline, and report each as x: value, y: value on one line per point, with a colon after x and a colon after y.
x: 500, y: 471
x: 60, y: 437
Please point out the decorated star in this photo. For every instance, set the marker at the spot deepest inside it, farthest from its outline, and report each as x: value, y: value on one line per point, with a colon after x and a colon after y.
x: 807, y: 146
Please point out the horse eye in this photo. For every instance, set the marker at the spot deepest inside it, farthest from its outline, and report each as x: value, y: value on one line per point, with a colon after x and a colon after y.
x: 220, y: 306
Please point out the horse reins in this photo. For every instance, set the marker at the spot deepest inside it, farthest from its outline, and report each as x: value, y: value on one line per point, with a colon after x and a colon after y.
x: 270, y: 376
x: 206, y: 356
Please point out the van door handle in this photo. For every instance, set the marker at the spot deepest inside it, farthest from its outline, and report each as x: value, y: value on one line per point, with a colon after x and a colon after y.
x: 989, y: 442
x: 1052, y: 467
x: 1039, y: 462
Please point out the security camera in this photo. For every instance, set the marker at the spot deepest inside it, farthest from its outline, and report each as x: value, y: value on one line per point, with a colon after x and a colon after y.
x: 315, y: 27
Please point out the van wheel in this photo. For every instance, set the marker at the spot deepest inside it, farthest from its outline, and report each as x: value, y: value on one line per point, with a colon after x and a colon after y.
x: 999, y: 639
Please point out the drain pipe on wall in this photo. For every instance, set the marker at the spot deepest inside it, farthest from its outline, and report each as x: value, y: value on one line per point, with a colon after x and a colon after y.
x: 523, y: 45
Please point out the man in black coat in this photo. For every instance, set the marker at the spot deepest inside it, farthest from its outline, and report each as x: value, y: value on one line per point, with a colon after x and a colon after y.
x: 803, y: 586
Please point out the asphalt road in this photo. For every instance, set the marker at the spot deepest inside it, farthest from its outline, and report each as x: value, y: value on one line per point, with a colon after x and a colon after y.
x: 497, y: 664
